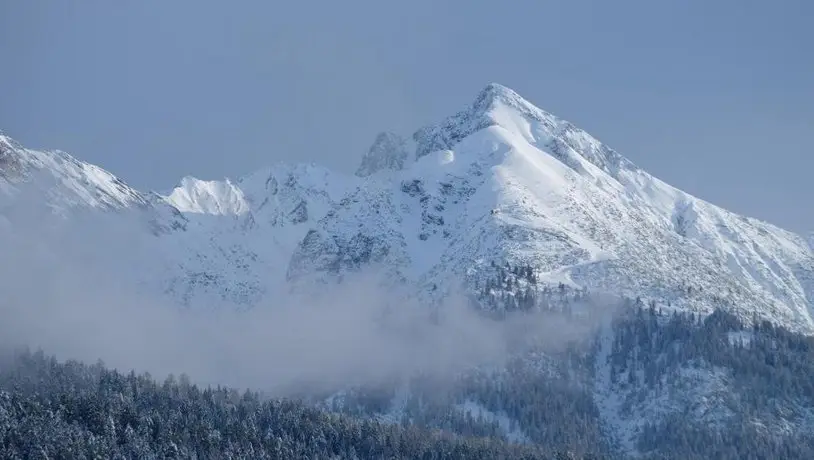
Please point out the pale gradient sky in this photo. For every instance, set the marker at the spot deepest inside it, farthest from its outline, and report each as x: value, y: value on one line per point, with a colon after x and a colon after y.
x: 715, y: 97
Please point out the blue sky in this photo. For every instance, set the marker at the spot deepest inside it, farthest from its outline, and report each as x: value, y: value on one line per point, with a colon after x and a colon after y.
x: 714, y: 97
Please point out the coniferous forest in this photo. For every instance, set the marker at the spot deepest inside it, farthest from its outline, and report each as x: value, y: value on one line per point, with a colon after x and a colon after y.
x: 650, y: 380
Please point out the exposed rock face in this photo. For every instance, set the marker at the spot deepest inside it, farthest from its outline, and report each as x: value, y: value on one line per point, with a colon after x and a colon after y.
x: 500, y: 181
x: 388, y: 152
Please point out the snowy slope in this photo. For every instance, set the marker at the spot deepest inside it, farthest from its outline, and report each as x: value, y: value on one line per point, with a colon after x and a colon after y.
x: 208, y: 197
x: 499, y: 181
x: 68, y: 181
x: 504, y: 181
x: 210, y: 242
x: 242, y: 233
x: 64, y: 186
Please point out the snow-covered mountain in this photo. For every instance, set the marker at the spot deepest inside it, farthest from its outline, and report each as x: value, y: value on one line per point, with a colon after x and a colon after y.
x: 75, y: 183
x: 500, y: 181
x: 505, y: 181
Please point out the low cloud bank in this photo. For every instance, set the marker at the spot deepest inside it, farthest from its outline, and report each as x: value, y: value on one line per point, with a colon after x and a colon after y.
x: 67, y: 288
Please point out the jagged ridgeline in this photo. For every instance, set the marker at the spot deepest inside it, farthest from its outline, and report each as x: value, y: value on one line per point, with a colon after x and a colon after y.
x: 683, y: 371
x: 498, y: 179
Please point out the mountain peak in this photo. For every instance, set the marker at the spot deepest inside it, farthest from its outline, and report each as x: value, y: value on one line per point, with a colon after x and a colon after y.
x: 219, y: 197
x: 9, y: 164
x: 389, y: 151
x: 528, y: 189
x: 498, y: 105
x: 8, y: 144
x: 495, y: 91
x: 480, y: 114
x: 494, y: 94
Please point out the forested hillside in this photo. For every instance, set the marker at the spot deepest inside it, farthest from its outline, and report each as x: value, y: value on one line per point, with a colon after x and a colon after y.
x: 647, y: 381
x: 644, y: 381
x: 72, y: 410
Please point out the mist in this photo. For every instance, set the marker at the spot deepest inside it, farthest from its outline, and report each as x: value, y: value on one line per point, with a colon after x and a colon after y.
x: 68, y: 289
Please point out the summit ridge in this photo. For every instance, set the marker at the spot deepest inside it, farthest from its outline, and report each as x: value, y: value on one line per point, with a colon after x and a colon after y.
x: 500, y: 181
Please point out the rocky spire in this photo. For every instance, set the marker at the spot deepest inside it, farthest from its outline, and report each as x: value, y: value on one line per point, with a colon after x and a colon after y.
x: 389, y: 151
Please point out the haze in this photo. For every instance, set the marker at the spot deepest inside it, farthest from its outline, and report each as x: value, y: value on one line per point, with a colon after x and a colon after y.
x: 69, y: 292
x: 716, y: 98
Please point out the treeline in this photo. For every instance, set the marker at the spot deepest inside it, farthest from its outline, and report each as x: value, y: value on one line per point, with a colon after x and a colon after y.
x: 516, y: 288
x: 768, y: 404
x: 551, y: 396
x: 547, y: 401
x: 51, y: 410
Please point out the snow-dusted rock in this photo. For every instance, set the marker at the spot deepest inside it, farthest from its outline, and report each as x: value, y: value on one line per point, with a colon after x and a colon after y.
x: 501, y: 180
x: 388, y: 152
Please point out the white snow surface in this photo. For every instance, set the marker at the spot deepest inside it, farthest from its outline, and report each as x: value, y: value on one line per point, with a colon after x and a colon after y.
x: 208, y: 197
x: 499, y: 181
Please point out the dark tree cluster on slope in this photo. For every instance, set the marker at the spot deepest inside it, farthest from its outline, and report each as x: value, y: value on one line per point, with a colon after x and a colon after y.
x: 54, y: 410
x: 517, y: 288
x: 770, y: 370
x: 548, y: 396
